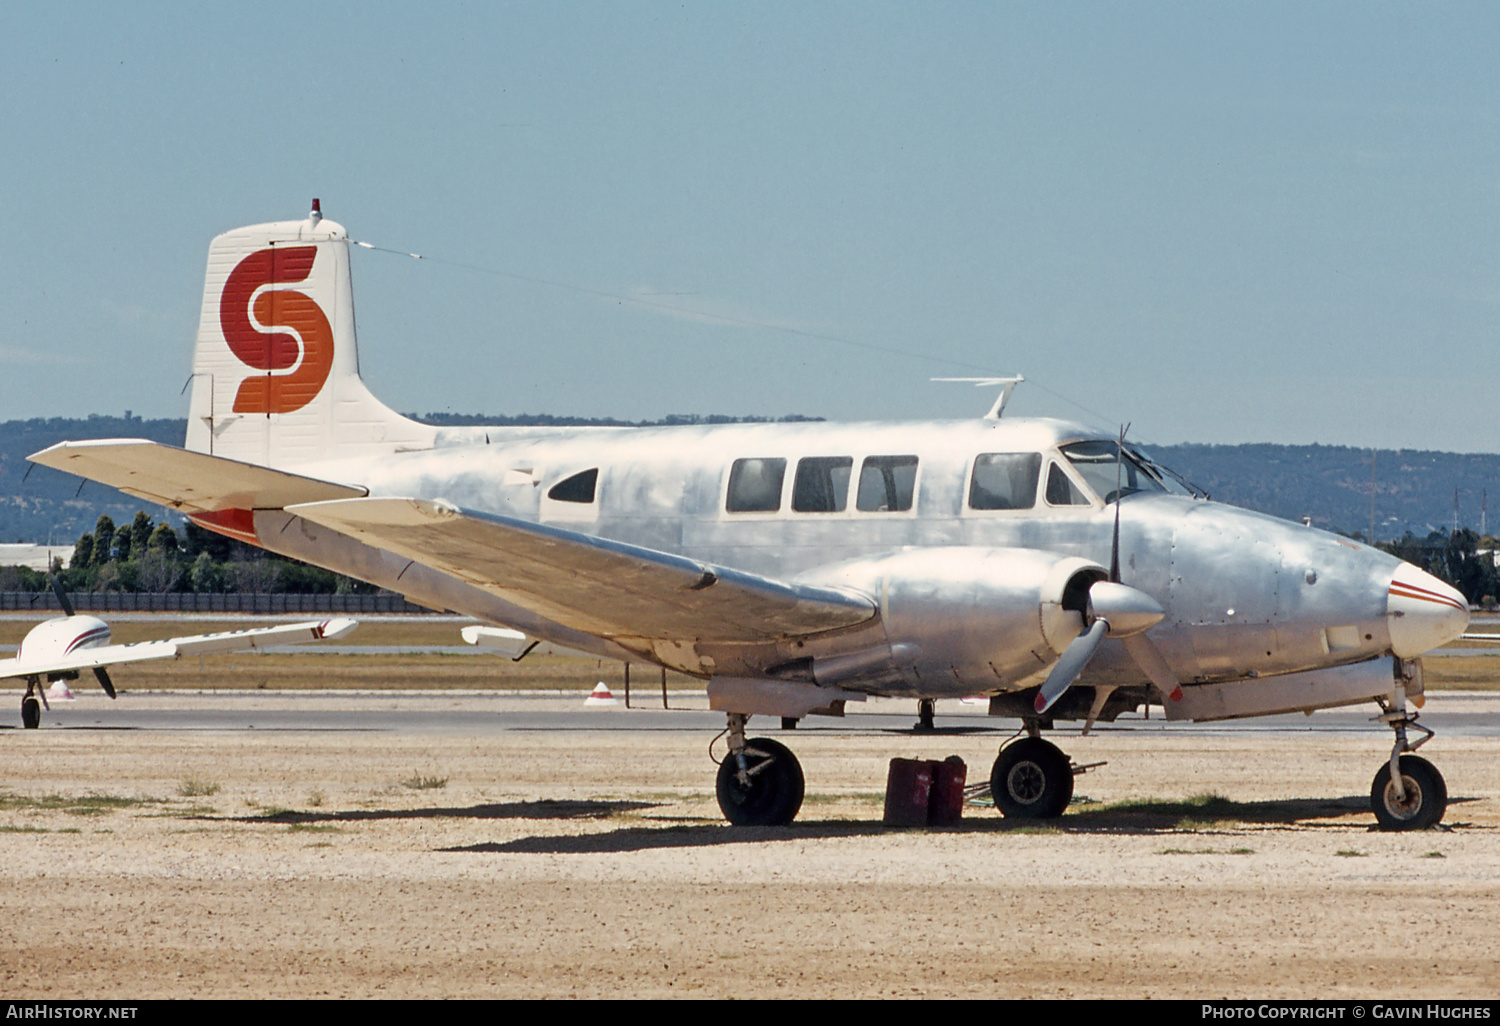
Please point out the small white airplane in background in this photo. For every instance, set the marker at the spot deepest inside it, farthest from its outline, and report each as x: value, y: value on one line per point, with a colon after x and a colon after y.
x: 57, y: 650
x: 791, y: 567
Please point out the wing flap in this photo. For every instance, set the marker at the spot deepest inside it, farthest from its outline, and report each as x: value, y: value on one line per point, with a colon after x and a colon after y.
x: 189, y: 481
x: 602, y: 587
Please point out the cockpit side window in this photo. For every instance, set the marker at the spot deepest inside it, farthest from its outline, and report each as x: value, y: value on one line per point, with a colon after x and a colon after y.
x: 822, y: 484
x: 1061, y: 491
x: 755, y: 485
x: 1005, y: 480
x: 578, y: 488
x: 1099, y: 464
x: 887, y: 484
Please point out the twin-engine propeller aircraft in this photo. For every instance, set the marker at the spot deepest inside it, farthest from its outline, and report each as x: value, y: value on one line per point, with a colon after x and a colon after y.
x: 58, y: 650
x: 793, y: 567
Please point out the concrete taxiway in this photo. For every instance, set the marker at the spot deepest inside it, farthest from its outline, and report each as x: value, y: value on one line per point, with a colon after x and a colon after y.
x: 1462, y: 714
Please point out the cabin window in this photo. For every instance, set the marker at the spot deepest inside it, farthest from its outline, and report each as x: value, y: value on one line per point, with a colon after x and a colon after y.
x: 1005, y: 480
x: 1061, y: 491
x: 578, y: 488
x: 822, y: 484
x: 755, y: 486
x: 887, y: 484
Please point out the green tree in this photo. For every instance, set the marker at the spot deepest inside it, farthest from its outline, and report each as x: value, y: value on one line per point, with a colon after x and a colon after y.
x: 104, y: 539
x: 206, y: 575
x: 140, y: 532
x: 164, y: 538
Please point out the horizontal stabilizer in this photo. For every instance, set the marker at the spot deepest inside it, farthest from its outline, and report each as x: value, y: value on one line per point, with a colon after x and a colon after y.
x: 193, y: 482
x: 601, y: 587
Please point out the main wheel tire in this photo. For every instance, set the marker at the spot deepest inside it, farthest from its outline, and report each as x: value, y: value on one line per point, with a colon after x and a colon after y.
x: 774, y: 793
x: 1032, y: 779
x: 31, y: 713
x: 1426, y: 795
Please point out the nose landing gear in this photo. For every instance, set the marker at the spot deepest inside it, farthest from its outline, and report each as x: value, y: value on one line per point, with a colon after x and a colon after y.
x: 31, y: 704
x: 1408, y: 792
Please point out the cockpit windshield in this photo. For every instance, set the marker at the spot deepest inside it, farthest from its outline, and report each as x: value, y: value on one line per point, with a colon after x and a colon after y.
x: 1110, y: 477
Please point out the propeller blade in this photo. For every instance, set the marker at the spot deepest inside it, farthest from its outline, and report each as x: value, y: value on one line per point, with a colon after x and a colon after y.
x: 62, y: 596
x: 1148, y: 657
x: 104, y: 681
x: 1074, y: 658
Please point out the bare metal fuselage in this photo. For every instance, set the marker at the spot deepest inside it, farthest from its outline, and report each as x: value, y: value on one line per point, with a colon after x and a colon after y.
x: 1245, y: 595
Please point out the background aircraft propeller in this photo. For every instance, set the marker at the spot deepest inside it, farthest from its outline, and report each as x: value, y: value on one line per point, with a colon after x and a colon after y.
x: 62, y: 596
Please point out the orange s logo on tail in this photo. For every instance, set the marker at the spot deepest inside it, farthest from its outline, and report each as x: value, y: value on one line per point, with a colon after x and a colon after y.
x: 311, y: 358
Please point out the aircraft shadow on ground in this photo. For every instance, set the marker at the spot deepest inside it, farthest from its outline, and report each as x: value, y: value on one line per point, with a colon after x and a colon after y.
x: 1205, y: 815
x: 636, y: 838
x: 496, y: 810
x: 1194, y: 816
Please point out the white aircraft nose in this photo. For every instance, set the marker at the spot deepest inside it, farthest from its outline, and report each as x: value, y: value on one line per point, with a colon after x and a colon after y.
x: 1422, y: 612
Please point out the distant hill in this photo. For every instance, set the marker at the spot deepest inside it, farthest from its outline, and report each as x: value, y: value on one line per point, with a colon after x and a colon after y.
x: 1331, y: 484
x: 49, y: 505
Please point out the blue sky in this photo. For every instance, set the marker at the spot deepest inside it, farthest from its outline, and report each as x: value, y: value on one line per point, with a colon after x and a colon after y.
x: 1222, y: 222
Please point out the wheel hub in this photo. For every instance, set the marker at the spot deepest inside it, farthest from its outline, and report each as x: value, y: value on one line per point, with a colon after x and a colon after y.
x: 1025, y: 782
x: 1404, y: 806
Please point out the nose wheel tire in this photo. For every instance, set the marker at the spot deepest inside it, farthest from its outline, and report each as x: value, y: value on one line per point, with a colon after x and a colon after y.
x: 1032, y: 779
x: 31, y: 713
x: 772, y: 792
x: 1425, y: 801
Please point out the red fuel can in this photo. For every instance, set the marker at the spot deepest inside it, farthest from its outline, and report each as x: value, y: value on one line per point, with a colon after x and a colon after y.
x: 908, y: 792
x: 947, y: 803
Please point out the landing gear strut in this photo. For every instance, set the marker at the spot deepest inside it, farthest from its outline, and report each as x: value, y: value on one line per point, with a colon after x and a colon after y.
x: 1408, y: 792
x: 1032, y: 779
x: 926, y: 707
x: 760, y: 781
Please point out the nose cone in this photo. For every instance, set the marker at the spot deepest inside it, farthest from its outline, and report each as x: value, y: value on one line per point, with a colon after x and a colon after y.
x: 1422, y: 612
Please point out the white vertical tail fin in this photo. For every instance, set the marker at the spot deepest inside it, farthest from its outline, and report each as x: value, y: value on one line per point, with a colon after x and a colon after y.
x: 275, y: 372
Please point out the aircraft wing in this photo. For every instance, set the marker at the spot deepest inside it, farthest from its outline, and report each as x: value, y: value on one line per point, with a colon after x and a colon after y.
x: 601, y: 587
x: 184, y: 480
x: 172, y: 648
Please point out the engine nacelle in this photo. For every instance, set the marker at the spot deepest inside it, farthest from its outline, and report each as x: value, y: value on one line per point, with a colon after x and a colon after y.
x: 963, y: 619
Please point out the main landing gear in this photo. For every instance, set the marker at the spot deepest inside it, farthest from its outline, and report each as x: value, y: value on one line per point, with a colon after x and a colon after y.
x: 760, y: 781
x: 1032, y: 779
x: 1408, y: 793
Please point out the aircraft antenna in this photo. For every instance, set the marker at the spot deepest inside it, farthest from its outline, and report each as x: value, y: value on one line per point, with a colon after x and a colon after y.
x: 1008, y: 385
